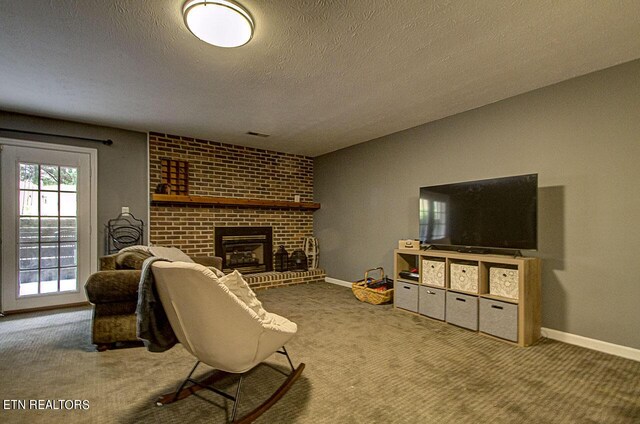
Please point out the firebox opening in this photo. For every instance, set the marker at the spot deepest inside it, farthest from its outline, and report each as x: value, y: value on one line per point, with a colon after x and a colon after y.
x: 246, y: 249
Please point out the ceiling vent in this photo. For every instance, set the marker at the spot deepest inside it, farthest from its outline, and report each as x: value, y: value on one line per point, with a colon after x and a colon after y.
x: 257, y: 134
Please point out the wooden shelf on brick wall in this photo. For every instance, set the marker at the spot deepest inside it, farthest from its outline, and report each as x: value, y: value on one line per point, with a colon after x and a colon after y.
x: 232, y: 201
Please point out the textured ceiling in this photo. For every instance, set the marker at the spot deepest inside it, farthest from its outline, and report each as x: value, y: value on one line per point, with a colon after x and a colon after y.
x: 318, y: 75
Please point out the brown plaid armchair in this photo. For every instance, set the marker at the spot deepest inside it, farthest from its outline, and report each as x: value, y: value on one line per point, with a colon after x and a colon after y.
x: 113, y: 291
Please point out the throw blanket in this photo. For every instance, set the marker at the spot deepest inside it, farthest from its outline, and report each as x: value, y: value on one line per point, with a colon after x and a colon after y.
x: 153, y: 326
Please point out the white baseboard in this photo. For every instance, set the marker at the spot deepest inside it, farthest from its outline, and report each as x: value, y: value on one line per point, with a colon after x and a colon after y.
x: 338, y: 282
x: 599, y: 345
x: 606, y: 347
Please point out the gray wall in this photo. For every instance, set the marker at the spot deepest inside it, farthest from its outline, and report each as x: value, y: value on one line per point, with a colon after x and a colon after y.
x: 581, y: 136
x: 122, y: 167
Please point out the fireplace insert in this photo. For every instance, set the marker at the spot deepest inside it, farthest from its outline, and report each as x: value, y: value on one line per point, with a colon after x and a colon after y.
x: 246, y: 249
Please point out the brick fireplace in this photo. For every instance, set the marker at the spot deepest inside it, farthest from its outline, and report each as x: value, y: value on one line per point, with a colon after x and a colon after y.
x: 223, y: 170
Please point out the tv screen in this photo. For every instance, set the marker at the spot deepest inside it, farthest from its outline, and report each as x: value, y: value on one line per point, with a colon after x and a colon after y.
x: 499, y: 213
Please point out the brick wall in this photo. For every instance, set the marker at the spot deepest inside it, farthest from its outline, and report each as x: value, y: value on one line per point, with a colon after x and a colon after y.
x: 224, y: 170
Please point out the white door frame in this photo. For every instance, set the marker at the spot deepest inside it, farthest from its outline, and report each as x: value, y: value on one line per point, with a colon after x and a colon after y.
x: 93, y: 195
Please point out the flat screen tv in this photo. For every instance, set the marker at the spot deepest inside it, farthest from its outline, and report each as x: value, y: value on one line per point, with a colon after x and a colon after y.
x: 499, y: 213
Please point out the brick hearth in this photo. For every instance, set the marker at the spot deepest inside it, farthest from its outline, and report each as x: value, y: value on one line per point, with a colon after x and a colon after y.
x: 267, y: 280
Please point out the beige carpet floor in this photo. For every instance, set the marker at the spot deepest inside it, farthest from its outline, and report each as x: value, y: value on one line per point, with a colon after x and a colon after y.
x: 365, y: 364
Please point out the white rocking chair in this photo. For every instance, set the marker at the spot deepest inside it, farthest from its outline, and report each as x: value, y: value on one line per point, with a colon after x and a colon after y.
x: 222, y: 324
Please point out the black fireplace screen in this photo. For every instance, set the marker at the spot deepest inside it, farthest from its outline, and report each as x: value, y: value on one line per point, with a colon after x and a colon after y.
x: 247, y: 249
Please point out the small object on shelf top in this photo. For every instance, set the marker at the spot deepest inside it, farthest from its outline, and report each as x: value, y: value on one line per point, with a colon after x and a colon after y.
x: 409, y: 244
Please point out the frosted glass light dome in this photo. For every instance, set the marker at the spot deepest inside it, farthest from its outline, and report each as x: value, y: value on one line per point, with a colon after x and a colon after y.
x: 222, y: 23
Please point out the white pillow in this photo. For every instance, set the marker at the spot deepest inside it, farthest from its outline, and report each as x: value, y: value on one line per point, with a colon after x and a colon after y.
x: 172, y: 253
x: 279, y: 323
x: 236, y: 285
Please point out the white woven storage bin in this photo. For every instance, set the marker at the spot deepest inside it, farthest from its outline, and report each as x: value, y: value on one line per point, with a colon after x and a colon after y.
x: 503, y: 282
x: 433, y: 272
x: 464, y: 277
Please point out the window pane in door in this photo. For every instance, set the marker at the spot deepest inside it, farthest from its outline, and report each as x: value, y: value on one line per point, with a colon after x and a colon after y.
x: 68, y: 254
x: 28, y: 203
x: 28, y: 176
x: 68, y: 229
x: 68, y: 279
x: 48, y: 203
x: 48, y: 177
x: 48, y: 255
x: 48, y: 229
x: 68, y: 179
x: 28, y: 230
x: 68, y: 205
x: 29, y: 256
x: 48, y: 280
x: 28, y: 281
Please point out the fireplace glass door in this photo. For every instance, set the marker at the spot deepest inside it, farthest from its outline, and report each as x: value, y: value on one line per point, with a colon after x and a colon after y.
x: 246, y: 249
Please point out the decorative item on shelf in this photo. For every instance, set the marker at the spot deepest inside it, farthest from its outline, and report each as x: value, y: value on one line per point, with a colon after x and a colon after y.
x: 282, y: 259
x: 123, y: 231
x: 433, y: 272
x: 504, y: 282
x: 464, y: 277
x: 298, y: 261
x: 163, y: 188
x: 312, y: 250
x: 175, y: 173
x: 409, y: 244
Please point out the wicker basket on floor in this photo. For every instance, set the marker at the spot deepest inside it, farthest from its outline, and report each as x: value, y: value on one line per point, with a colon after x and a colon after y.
x: 376, y: 292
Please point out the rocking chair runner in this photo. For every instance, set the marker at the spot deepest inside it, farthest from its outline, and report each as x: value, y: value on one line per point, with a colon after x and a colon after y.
x: 222, y: 324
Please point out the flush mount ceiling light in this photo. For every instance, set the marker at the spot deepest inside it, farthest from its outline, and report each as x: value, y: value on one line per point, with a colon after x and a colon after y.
x: 222, y: 23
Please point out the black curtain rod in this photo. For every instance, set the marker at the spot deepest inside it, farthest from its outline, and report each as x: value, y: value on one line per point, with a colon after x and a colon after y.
x: 107, y: 142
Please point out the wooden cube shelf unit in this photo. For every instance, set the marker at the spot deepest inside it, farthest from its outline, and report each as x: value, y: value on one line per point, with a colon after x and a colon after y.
x: 457, y: 288
x: 175, y: 173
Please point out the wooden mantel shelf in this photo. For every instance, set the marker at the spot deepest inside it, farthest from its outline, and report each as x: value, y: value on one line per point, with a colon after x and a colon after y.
x: 232, y: 201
